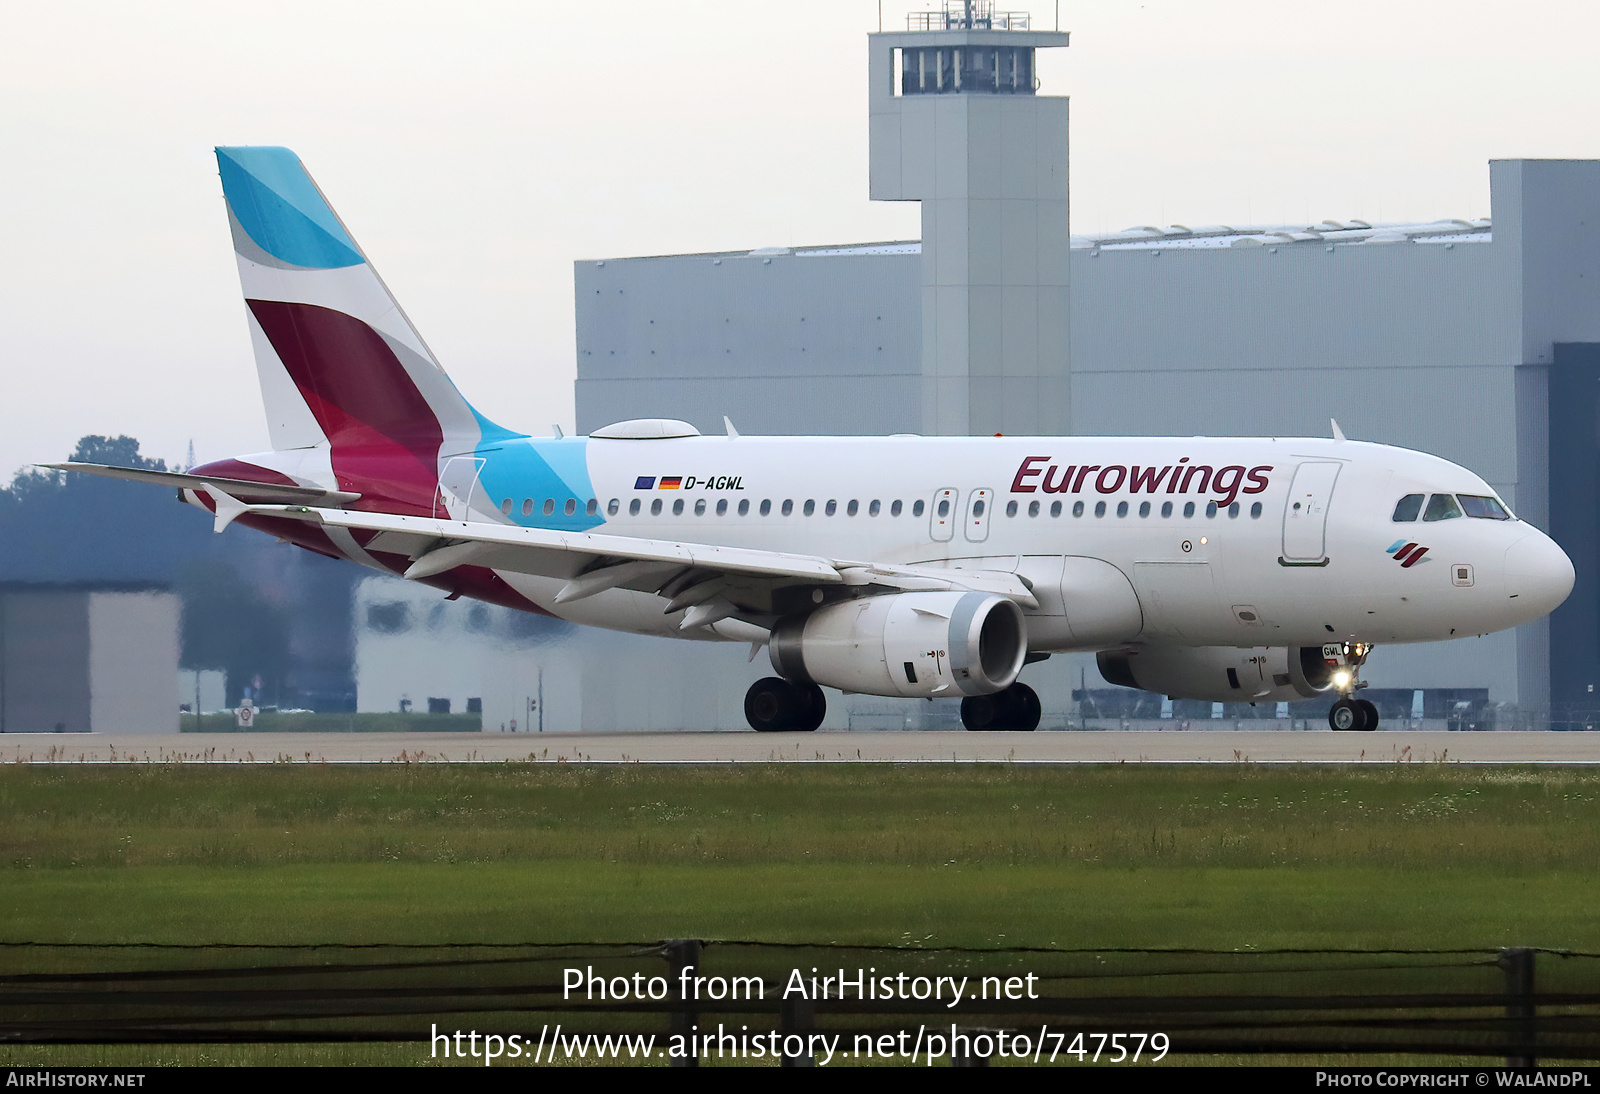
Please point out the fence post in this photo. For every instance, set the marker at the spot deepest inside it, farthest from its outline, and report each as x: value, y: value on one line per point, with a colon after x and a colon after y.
x: 797, y: 1016
x: 683, y: 953
x: 1517, y: 961
x: 963, y: 1051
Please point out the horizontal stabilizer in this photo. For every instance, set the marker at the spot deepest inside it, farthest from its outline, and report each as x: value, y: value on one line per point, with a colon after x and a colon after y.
x: 243, y: 489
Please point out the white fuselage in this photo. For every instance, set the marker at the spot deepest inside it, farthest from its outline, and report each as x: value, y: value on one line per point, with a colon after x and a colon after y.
x: 1163, y: 541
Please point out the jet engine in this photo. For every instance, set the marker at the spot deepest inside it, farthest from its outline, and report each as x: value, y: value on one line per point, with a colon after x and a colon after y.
x: 918, y: 645
x: 1221, y: 674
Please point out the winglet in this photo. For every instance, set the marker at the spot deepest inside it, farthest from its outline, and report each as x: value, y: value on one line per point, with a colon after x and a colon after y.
x: 1338, y: 434
x: 728, y: 422
x: 227, y: 507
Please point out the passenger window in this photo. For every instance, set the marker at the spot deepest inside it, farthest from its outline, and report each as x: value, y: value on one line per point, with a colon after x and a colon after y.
x: 1077, y: 508
x: 1233, y: 511
x: 571, y: 507
x: 1122, y: 508
x: 1211, y: 509
x: 916, y: 507
x: 744, y: 507
x: 633, y: 507
x: 1407, y: 508
x: 592, y: 506
x: 851, y: 509
x: 612, y: 507
x: 1483, y: 508
x: 831, y: 508
x: 1166, y: 508
x: 549, y: 506
x: 1099, y: 508
x: 505, y: 507
x: 1144, y: 509
x: 1188, y: 509
x: 1033, y: 508
x: 527, y: 507
x: 1442, y: 507
x: 788, y: 506
x: 766, y: 507
x: 944, y: 507
x: 677, y: 508
x: 1055, y: 509
x: 872, y: 510
x: 722, y: 507
x: 810, y: 506
x: 700, y: 507
x: 655, y: 508
x: 894, y: 508
x: 1255, y: 511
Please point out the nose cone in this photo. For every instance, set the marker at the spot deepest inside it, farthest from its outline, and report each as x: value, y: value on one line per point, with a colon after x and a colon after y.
x: 1538, y: 575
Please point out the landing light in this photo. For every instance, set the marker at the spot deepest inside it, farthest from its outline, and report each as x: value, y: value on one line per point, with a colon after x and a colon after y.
x: 1341, y: 679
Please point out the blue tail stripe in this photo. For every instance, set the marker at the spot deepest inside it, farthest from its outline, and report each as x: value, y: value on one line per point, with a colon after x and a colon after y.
x: 278, y: 205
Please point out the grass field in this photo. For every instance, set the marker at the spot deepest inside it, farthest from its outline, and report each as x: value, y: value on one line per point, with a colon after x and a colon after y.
x: 1227, y: 858
x: 1426, y: 856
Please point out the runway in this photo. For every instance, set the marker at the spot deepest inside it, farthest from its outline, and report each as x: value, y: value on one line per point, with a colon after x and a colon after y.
x: 1080, y: 747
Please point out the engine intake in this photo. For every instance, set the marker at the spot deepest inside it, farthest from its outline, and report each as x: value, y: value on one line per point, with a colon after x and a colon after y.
x: 918, y: 645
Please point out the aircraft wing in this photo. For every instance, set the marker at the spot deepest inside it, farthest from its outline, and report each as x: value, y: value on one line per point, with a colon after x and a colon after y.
x: 713, y: 582
x: 239, y: 488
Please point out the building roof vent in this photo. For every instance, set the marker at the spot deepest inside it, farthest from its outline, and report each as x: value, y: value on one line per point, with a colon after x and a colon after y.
x: 646, y: 429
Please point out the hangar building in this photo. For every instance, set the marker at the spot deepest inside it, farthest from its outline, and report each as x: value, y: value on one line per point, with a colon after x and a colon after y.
x: 1478, y: 340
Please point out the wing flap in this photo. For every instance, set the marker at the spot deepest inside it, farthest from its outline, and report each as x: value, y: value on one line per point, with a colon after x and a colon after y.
x: 592, y: 562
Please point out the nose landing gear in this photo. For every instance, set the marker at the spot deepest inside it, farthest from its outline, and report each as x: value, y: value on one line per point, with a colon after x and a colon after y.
x: 1349, y: 713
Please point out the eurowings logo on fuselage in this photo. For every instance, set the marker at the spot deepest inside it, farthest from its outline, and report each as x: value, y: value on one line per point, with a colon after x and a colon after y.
x: 1406, y: 553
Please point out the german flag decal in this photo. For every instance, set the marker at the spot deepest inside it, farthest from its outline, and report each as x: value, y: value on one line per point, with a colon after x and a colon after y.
x: 671, y: 482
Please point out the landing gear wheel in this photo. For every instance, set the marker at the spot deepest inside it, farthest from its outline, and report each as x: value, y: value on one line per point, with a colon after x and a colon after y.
x: 815, y: 707
x: 1015, y: 708
x: 1351, y: 715
x: 1371, y: 712
x: 774, y: 706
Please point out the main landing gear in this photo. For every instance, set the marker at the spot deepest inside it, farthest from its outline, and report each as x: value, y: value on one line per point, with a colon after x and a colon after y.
x: 776, y: 706
x: 1349, y: 713
x: 773, y: 706
x: 1016, y: 707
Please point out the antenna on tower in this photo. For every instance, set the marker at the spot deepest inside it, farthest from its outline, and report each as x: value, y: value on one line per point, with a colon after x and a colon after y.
x: 189, y: 466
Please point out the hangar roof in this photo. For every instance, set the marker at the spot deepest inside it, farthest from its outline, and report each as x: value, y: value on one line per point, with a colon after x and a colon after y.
x: 1181, y: 236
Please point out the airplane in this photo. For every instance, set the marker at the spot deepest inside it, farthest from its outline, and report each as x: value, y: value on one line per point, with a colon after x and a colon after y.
x: 1222, y: 569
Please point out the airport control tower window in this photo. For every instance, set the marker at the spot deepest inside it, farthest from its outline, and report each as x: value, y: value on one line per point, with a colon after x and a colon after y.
x: 972, y: 70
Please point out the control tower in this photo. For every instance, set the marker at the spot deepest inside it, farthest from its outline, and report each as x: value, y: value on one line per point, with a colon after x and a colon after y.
x: 957, y: 123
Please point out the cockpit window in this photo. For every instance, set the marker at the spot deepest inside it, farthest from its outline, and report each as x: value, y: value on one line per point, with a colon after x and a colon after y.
x: 1442, y: 507
x: 1407, y: 508
x: 1485, y: 508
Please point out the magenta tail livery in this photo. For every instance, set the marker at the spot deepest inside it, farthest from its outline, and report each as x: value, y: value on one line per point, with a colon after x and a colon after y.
x: 1230, y: 570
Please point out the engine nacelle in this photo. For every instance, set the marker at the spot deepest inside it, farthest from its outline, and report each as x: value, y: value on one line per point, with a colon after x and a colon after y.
x: 1221, y: 674
x: 918, y: 645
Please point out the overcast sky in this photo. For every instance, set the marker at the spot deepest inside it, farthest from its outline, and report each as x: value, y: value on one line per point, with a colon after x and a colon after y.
x: 477, y: 149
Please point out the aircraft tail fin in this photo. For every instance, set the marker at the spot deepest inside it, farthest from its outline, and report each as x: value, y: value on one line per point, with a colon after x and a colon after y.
x: 340, y: 364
